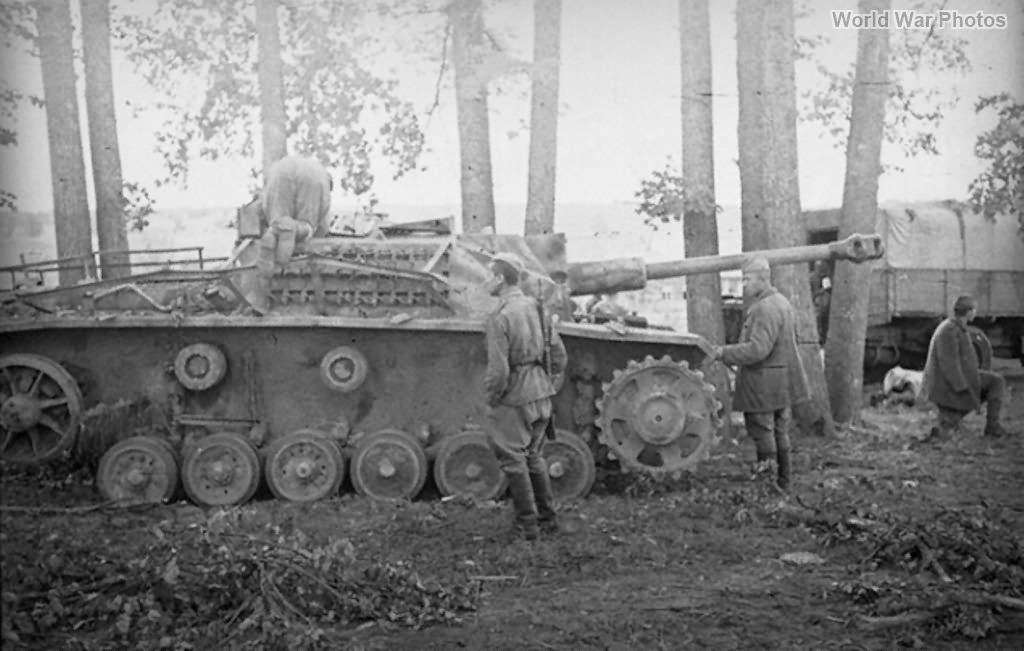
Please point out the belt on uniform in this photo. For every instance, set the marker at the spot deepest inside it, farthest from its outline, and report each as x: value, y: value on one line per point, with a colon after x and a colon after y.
x: 516, y: 367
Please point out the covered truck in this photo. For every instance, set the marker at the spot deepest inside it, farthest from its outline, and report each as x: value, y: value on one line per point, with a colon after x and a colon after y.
x: 934, y: 252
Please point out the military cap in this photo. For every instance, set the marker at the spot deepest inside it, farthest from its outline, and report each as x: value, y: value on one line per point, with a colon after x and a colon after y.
x: 756, y: 263
x: 512, y: 260
x: 964, y: 304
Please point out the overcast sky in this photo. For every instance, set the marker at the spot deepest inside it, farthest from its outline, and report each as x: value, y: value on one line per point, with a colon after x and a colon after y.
x: 620, y: 117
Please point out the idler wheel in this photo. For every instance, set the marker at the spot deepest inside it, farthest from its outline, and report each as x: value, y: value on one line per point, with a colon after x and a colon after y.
x: 142, y: 469
x: 571, y: 466
x: 343, y: 369
x: 388, y: 465
x: 465, y: 465
x: 304, y: 466
x: 659, y: 417
x: 220, y: 470
x: 40, y: 409
x: 200, y: 366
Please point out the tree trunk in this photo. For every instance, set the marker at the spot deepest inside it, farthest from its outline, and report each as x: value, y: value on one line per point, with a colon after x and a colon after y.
x: 474, y: 124
x: 848, y: 317
x: 700, y: 220
x: 749, y: 50
x: 67, y: 167
x: 700, y: 226
x: 111, y: 226
x: 271, y: 80
x: 540, y: 195
x: 770, y: 135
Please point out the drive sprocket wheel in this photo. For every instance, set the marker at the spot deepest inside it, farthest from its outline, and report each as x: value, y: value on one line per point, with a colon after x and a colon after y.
x: 659, y: 417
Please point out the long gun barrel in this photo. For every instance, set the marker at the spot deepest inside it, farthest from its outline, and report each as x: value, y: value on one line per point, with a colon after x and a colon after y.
x: 625, y: 274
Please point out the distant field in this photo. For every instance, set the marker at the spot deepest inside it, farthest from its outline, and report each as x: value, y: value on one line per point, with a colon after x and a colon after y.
x: 595, y: 231
x: 31, y: 236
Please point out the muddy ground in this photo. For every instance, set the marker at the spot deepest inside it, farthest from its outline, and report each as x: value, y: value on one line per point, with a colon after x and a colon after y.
x: 904, y: 546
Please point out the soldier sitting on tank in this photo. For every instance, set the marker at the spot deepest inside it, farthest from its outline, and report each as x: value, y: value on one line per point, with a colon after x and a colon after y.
x: 560, y: 299
x: 518, y: 390
x: 954, y: 380
x: 295, y: 201
x: 609, y: 308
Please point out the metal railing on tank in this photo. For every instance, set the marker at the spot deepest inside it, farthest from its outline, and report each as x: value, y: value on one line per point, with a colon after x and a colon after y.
x: 45, y: 273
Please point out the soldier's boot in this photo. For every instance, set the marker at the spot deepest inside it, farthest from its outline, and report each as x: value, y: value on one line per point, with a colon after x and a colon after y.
x: 943, y: 431
x: 545, y: 498
x: 784, y: 468
x: 765, y: 460
x: 992, y: 425
x: 521, y: 490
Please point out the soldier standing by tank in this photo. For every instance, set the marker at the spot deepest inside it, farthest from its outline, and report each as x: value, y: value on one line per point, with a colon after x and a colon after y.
x: 295, y: 201
x: 821, y: 293
x: 518, y: 390
x: 771, y: 377
x: 953, y: 379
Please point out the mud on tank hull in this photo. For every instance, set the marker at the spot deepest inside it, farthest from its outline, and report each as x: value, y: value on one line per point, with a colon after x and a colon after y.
x: 219, y: 404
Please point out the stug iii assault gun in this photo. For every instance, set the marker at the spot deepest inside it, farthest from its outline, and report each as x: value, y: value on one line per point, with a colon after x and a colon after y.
x: 367, y: 370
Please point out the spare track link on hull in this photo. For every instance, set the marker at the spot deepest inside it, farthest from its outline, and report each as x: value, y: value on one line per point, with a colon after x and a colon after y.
x: 659, y: 417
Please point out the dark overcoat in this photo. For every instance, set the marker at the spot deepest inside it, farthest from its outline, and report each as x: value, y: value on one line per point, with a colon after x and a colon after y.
x: 771, y: 376
x: 951, y: 377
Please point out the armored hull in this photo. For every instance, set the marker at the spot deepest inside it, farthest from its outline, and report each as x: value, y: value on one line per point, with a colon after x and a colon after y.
x: 369, y: 366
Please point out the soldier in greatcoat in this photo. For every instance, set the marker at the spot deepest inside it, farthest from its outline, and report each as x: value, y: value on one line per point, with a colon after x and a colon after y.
x: 518, y: 391
x: 953, y: 379
x: 771, y: 377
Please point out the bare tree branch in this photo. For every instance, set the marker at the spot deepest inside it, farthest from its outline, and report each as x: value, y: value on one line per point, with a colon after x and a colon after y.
x: 440, y: 72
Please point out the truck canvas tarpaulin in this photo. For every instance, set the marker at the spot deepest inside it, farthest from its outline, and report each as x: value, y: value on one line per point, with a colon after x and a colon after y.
x: 934, y: 252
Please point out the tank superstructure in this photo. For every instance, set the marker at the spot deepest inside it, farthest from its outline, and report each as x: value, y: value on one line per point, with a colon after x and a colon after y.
x: 369, y: 365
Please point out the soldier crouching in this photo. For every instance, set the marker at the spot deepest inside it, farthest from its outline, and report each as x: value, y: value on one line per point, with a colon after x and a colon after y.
x: 295, y: 201
x: 954, y: 380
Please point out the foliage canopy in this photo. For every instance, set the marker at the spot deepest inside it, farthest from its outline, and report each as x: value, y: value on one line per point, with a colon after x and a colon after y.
x: 338, y: 109
x: 1000, y: 188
